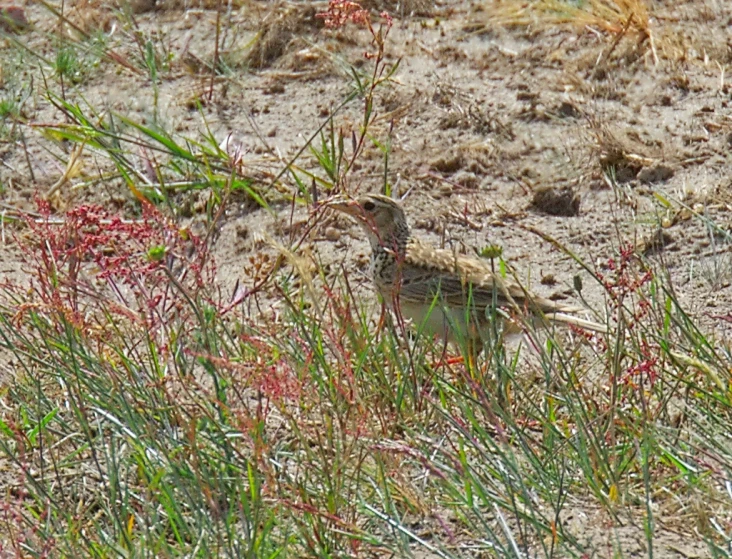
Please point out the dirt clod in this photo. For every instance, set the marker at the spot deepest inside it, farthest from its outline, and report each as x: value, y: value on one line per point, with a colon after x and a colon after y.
x: 448, y: 164
x: 274, y: 88
x: 657, y: 242
x: 655, y: 173
x: 568, y: 110
x: 467, y: 179
x: 142, y: 6
x: 559, y: 201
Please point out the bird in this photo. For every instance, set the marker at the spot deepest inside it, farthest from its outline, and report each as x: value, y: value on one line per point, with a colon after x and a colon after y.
x: 456, y: 297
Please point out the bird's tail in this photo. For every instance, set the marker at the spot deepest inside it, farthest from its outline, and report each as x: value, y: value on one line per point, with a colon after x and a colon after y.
x: 571, y: 320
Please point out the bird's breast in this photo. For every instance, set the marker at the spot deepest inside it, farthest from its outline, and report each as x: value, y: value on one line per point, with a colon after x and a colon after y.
x: 451, y: 324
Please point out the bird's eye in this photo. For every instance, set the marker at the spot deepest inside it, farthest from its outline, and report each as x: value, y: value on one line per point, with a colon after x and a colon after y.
x: 369, y: 206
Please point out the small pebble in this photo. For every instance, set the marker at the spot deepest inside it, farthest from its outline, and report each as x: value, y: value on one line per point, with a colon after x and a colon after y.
x: 332, y: 234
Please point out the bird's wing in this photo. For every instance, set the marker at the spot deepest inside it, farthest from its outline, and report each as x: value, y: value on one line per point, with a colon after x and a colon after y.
x: 428, y: 272
x: 457, y: 280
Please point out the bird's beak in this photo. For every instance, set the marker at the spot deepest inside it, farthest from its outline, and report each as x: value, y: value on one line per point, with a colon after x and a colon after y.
x: 345, y: 205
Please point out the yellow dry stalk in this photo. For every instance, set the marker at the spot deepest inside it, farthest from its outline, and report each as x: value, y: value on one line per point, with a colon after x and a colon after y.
x: 611, y: 16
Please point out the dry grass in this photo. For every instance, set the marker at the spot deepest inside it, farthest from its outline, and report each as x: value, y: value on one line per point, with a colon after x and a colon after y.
x: 617, y: 153
x: 613, y: 17
x: 402, y: 8
x: 281, y: 29
x: 633, y: 29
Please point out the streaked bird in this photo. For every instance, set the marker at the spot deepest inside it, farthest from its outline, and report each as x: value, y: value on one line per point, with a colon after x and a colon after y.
x: 454, y: 296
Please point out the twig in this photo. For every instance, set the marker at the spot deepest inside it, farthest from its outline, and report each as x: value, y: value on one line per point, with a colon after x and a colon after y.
x: 653, y: 47
x: 215, y: 64
x: 64, y: 178
x: 614, y: 45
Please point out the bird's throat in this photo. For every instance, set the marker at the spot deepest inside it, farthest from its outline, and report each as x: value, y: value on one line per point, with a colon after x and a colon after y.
x: 386, y: 258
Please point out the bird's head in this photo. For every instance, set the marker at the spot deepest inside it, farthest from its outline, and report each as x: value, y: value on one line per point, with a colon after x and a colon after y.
x: 382, y: 218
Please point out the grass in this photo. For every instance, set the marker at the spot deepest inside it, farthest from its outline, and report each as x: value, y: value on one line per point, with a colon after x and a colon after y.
x: 146, y: 414
x: 144, y: 418
x: 630, y: 32
x: 607, y: 15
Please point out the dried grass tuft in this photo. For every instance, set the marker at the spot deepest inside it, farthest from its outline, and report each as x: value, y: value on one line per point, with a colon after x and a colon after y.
x: 611, y: 16
x: 278, y: 34
x: 401, y: 8
x: 617, y: 152
x: 620, y: 19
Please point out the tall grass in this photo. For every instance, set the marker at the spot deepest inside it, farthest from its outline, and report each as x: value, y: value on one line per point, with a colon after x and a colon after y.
x: 146, y: 417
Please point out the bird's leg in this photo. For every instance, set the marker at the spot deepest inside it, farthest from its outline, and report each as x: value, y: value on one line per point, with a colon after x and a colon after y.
x: 504, y: 379
x: 445, y: 360
x: 500, y: 380
x: 473, y: 349
x: 392, y: 324
x: 385, y: 320
x: 396, y: 320
x: 504, y: 393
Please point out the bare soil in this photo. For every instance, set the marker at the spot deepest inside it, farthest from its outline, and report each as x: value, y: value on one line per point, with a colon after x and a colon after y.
x: 496, y: 130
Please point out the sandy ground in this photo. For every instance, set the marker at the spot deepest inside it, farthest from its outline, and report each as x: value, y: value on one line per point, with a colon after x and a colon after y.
x: 483, y: 118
